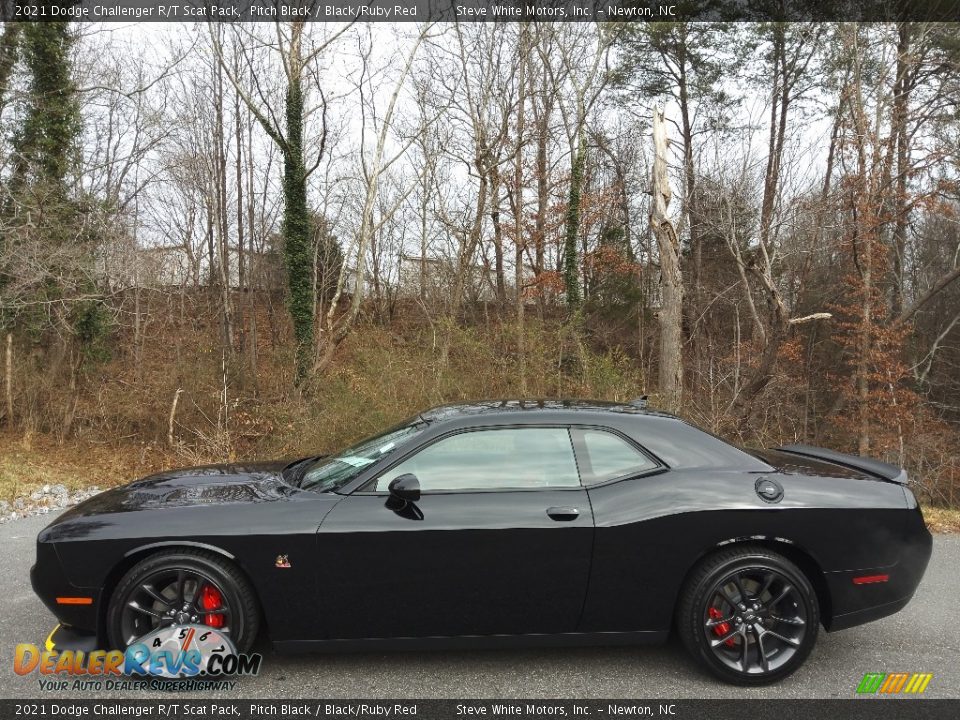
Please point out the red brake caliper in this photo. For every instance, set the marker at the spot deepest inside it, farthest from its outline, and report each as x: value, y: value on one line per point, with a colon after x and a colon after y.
x: 211, y: 599
x: 721, y: 629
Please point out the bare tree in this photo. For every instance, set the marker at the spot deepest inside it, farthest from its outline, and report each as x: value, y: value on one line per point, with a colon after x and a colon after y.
x: 671, y: 280
x: 373, y: 166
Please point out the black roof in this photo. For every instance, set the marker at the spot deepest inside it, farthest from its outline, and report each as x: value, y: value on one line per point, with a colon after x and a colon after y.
x: 453, y: 411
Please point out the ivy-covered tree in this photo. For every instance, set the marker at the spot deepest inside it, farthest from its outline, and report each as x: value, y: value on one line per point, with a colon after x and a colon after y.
x: 9, y: 49
x: 48, y: 288
x: 46, y: 142
x: 41, y: 215
x: 298, y: 62
x: 571, y: 265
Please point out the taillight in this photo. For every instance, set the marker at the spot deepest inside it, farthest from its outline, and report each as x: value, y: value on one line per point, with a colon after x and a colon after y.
x: 870, y: 579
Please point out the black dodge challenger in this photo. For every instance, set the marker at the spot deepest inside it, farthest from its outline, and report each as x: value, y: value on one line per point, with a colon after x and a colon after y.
x: 494, y: 523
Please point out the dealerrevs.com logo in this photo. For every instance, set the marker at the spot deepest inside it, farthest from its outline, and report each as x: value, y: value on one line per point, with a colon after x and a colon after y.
x: 894, y: 683
x: 184, y: 657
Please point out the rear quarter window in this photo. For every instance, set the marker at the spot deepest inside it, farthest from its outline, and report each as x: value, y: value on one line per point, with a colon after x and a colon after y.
x: 608, y: 456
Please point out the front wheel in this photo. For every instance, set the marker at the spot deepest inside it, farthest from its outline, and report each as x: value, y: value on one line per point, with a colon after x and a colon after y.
x: 749, y: 615
x: 179, y: 587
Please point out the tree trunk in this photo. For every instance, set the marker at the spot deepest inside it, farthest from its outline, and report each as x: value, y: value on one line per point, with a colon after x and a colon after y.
x: 671, y: 280
x: 241, y: 259
x: 901, y: 99
x: 778, y: 319
x: 946, y: 279
x: 780, y: 98
x: 691, y: 204
x: 296, y: 220
x: 222, y: 223
x: 422, y: 262
x: 137, y: 324
x: 518, y: 215
x: 211, y: 255
x: 863, y: 348
x: 497, y: 239
x: 251, y: 284
x: 571, y: 266
x: 173, y: 417
x: 865, y: 225
x: 8, y: 377
x: 543, y: 199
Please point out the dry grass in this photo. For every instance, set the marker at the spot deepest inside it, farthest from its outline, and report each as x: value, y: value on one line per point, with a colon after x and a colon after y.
x: 942, y: 520
x: 32, y: 461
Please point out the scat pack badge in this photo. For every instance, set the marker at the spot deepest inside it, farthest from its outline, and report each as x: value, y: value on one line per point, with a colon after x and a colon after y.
x: 283, y: 561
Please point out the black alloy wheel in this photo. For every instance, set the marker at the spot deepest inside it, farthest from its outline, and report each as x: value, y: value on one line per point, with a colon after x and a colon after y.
x: 181, y: 587
x: 749, y: 615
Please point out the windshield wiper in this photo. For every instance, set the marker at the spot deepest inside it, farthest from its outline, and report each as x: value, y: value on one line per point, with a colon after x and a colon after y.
x: 293, y: 472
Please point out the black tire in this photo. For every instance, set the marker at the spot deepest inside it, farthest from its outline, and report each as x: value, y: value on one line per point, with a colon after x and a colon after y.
x: 748, y: 615
x: 239, y: 601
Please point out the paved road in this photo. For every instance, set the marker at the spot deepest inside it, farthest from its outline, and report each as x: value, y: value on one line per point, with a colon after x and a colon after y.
x: 923, y: 637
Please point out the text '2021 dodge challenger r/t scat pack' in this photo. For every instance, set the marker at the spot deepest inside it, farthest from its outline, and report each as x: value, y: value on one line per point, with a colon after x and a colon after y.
x: 491, y: 523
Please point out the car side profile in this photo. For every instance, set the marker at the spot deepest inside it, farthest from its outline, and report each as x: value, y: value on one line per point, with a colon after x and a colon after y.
x: 495, y: 523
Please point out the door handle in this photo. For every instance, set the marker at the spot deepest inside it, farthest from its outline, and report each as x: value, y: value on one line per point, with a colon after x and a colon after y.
x: 563, y: 514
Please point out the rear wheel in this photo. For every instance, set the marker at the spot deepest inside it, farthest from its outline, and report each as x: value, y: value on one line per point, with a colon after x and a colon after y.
x: 179, y: 587
x: 749, y: 615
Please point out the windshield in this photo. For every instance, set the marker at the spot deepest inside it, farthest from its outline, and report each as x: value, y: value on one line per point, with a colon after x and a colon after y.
x: 333, y: 472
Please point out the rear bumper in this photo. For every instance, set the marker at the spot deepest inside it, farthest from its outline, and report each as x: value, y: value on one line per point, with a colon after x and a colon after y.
x: 855, y: 602
x: 859, y: 617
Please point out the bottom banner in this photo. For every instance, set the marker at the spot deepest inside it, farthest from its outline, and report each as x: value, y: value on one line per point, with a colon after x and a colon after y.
x: 860, y: 709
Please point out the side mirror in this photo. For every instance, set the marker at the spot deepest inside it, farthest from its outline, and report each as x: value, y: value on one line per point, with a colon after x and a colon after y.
x: 405, y: 488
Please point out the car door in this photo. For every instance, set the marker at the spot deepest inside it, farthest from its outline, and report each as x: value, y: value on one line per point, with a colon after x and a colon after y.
x: 637, y: 533
x: 498, y: 543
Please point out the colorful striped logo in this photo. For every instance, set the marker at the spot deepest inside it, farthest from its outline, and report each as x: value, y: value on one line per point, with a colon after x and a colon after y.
x: 894, y: 683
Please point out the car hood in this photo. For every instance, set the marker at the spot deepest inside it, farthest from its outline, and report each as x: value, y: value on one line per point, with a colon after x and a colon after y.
x: 201, y: 485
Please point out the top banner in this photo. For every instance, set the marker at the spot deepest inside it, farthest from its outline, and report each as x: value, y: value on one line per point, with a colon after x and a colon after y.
x: 480, y: 10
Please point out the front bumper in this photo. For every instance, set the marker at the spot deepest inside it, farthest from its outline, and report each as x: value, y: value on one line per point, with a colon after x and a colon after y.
x: 77, y: 607
x: 66, y: 638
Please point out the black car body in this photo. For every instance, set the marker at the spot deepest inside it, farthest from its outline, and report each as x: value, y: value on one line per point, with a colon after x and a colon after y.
x: 598, y: 556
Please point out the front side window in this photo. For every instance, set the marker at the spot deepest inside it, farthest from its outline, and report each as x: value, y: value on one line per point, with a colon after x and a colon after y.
x: 610, y: 457
x: 495, y: 459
